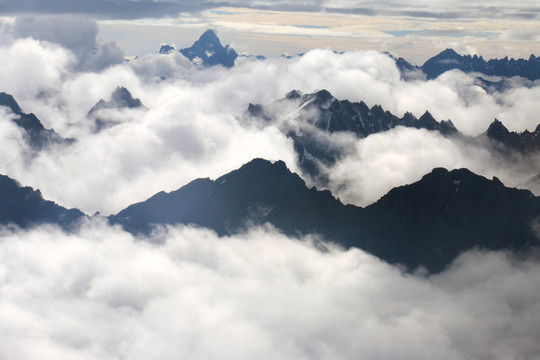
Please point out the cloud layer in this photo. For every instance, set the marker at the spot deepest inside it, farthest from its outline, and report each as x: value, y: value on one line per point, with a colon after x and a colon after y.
x: 187, y: 294
x: 191, y: 128
x: 100, y: 293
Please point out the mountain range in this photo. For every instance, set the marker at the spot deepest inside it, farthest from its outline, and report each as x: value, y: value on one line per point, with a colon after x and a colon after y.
x: 209, y: 51
x: 309, y: 120
x: 427, y: 223
x: 450, y: 60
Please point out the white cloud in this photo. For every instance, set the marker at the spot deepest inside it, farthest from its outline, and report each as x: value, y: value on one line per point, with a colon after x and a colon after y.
x: 30, y: 67
x: 260, y: 294
x: 190, y: 128
x: 78, y: 35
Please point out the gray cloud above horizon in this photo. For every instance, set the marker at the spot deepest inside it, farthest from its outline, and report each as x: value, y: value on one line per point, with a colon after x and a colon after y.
x: 125, y: 9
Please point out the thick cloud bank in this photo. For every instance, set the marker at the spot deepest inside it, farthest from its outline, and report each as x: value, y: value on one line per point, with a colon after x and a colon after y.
x: 101, y: 294
x: 190, y: 126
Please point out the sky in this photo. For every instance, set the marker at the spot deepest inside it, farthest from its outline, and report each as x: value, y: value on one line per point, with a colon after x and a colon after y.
x: 98, y: 292
x: 415, y: 30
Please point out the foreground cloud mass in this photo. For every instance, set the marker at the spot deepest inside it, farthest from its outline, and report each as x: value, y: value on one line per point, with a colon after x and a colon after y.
x: 185, y: 293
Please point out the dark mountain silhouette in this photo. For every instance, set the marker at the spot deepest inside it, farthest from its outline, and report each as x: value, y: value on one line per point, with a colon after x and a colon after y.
x: 35, y: 133
x: 428, y: 223
x: 304, y: 116
x: 449, y: 59
x: 209, y: 51
x: 433, y: 220
x: 25, y: 207
x: 121, y: 98
x: 256, y: 193
x: 506, y: 141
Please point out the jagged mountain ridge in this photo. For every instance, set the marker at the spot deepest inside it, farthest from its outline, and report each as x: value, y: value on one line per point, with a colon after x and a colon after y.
x: 335, y: 115
x: 428, y: 223
x: 450, y: 59
x: 303, y: 117
x: 35, y: 133
x: 26, y: 207
x: 525, y: 142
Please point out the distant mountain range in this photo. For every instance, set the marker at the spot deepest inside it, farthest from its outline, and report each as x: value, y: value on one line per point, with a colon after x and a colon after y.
x: 449, y: 60
x: 208, y: 51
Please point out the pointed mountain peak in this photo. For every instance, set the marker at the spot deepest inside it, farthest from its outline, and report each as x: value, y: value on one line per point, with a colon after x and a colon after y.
x: 496, y: 129
x: 9, y: 101
x: 324, y: 94
x: 322, y: 98
x: 122, y: 98
x: 209, y: 37
x: 427, y: 117
x: 208, y: 51
x: 294, y: 94
x: 165, y: 49
x: 258, y: 169
x: 448, y: 53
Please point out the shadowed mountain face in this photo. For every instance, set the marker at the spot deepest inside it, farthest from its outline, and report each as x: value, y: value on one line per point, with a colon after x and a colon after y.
x: 37, y: 136
x: 428, y: 223
x: 431, y: 221
x: 209, y: 51
x: 26, y: 207
x: 256, y: 193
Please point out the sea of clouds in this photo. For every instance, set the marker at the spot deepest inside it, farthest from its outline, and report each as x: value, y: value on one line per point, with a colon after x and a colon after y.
x: 100, y: 293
